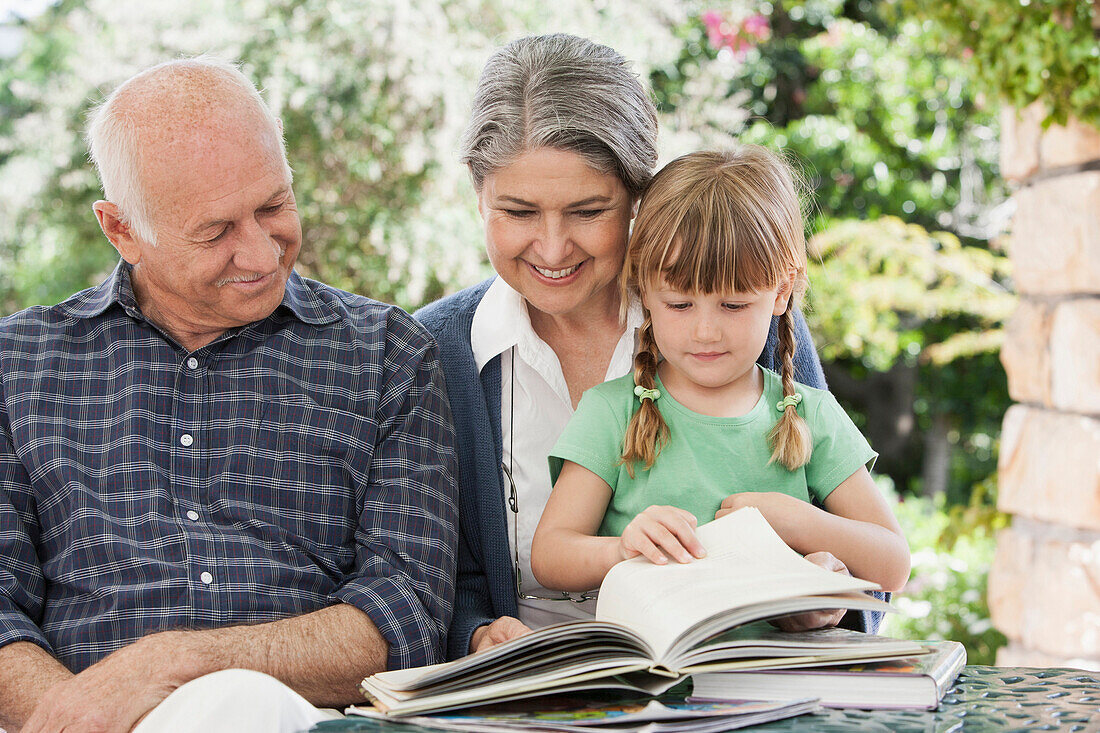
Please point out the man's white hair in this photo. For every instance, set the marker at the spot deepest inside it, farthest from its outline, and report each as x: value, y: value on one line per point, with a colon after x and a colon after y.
x: 114, y: 132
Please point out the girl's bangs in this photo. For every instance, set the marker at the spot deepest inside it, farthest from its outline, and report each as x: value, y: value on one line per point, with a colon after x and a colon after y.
x: 714, y: 250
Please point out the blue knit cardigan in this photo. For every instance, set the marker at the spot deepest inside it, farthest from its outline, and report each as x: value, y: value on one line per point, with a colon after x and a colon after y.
x: 485, y: 588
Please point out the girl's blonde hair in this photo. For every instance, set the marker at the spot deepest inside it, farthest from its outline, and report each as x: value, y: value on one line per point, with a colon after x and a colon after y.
x: 718, y: 222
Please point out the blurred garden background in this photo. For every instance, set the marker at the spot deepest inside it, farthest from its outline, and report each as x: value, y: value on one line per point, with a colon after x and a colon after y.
x: 880, y: 101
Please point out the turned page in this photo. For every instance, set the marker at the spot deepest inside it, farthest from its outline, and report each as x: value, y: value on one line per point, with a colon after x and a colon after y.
x: 746, y: 564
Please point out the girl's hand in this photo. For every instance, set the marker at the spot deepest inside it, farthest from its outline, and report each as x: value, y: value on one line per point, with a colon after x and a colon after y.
x: 661, y: 532
x: 816, y: 619
x: 785, y: 513
x: 770, y: 503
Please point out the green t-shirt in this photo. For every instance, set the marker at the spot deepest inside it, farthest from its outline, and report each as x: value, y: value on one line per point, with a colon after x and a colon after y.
x: 706, y: 458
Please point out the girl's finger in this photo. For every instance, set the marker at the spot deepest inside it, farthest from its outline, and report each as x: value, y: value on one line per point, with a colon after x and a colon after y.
x: 650, y: 551
x: 669, y: 542
x: 684, y: 528
x: 634, y: 543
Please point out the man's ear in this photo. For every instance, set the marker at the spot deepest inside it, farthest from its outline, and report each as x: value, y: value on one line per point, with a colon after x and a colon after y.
x: 117, y: 231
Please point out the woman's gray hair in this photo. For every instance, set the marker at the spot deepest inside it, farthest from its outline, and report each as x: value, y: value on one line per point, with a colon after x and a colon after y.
x: 114, y: 135
x: 567, y: 93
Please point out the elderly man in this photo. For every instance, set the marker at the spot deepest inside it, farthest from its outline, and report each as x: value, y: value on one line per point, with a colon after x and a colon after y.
x: 209, y: 462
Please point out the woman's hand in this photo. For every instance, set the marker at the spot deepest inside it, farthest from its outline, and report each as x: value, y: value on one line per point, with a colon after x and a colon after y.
x: 503, y: 629
x: 816, y: 619
x: 661, y: 532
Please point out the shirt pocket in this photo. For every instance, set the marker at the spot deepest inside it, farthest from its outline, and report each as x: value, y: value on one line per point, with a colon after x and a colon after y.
x: 309, y: 465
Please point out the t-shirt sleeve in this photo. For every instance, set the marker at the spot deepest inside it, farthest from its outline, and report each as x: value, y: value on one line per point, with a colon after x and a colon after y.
x: 839, y: 448
x: 593, y: 438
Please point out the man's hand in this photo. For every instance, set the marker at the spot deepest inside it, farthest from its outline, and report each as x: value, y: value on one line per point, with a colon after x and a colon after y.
x: 503, y: 629
x: 816, y: 619
x: 116, y: 692
x: 661, y: 532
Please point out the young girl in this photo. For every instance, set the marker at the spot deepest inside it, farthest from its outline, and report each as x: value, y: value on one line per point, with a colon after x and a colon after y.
x: 700, y: 429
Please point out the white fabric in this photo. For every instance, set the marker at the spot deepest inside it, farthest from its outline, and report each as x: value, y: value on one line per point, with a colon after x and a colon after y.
x: 542, y: 408
x: 233, y: 701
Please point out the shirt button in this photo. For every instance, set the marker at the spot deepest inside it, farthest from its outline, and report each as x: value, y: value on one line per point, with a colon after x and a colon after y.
x: 192, y: 363
x: 206, y: 578
x: 186, y: 440
x: 193, y: 515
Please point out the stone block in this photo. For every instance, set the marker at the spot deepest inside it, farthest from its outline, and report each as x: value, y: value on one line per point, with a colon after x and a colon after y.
x: 1015, y: 655
x: 1027, y: 149
x: 1049, y: 467
x: 1026, y: 352
x: 1043, y: 592
x: 1021, y: 134
x: 1008, y: 584
x: 1055, y: 242
x: 1070, y: 145
x: 1075, y: 356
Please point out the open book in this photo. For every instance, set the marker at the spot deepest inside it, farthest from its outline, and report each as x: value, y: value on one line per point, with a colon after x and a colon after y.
x: 656, y: 623
x: 917, y: 682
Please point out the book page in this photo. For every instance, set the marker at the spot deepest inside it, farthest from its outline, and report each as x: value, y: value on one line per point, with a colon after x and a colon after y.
x: 747, y: 563
x: 530, y: 649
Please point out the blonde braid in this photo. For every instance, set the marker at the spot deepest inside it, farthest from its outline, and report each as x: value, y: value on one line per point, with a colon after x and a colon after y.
x: 790, y: 439
x: 647, y: 432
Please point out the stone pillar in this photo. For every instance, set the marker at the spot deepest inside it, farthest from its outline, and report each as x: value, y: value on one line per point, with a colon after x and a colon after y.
x: 1044, y: 586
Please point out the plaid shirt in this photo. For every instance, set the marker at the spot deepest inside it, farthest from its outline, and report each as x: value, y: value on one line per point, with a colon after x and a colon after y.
x: 304, y: 460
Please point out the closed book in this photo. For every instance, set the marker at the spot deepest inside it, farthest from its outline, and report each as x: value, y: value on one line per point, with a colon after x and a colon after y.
x: 909, y: 683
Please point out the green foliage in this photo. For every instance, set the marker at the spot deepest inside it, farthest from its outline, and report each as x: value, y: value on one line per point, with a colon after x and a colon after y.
x: 884, y: 289
x: 914, y: 319
x: 885, y: 126
x: 952, y: 549
x: 373, y: 95
x: 49, y: 220
x: 362, y: 116
x: 1028, y: 51
x: 354, y: 139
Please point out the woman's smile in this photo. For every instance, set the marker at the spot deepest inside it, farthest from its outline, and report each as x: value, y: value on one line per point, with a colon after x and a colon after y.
x: 561, y: 276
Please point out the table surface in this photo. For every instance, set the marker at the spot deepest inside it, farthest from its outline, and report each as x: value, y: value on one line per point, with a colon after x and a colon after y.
x: 1003, y: 699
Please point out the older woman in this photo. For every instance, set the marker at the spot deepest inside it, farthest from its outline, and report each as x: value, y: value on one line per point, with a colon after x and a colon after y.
x: 560, y: 144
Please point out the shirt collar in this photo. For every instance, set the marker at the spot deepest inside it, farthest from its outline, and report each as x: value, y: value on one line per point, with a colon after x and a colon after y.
x: 95, y: 301
x: 501, y: 321
x: 298, y: 298
x: 301, y: 300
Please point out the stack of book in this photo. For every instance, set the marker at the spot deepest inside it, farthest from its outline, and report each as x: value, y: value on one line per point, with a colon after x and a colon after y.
x: 656, y: 624
x: 913, y: 682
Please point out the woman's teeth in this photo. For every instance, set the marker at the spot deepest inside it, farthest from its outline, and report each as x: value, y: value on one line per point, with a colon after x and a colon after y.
x: 557, y: 274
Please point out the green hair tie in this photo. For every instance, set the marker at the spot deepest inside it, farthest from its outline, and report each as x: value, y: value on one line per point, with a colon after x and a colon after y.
x: 790, y: 400
x: 646, y: 394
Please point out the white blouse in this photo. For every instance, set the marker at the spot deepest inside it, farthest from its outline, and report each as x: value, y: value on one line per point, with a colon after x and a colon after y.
x: 542, y: 409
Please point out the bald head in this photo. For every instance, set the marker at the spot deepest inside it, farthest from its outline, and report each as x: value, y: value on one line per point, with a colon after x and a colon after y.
x: 164, y: 111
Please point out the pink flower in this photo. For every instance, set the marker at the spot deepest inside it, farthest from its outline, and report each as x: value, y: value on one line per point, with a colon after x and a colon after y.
x: 721, y: 34
x: 757, y: 26
x: 713, y: 22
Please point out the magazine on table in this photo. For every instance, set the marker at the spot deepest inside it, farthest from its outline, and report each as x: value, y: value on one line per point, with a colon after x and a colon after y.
x: 563, y: 713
